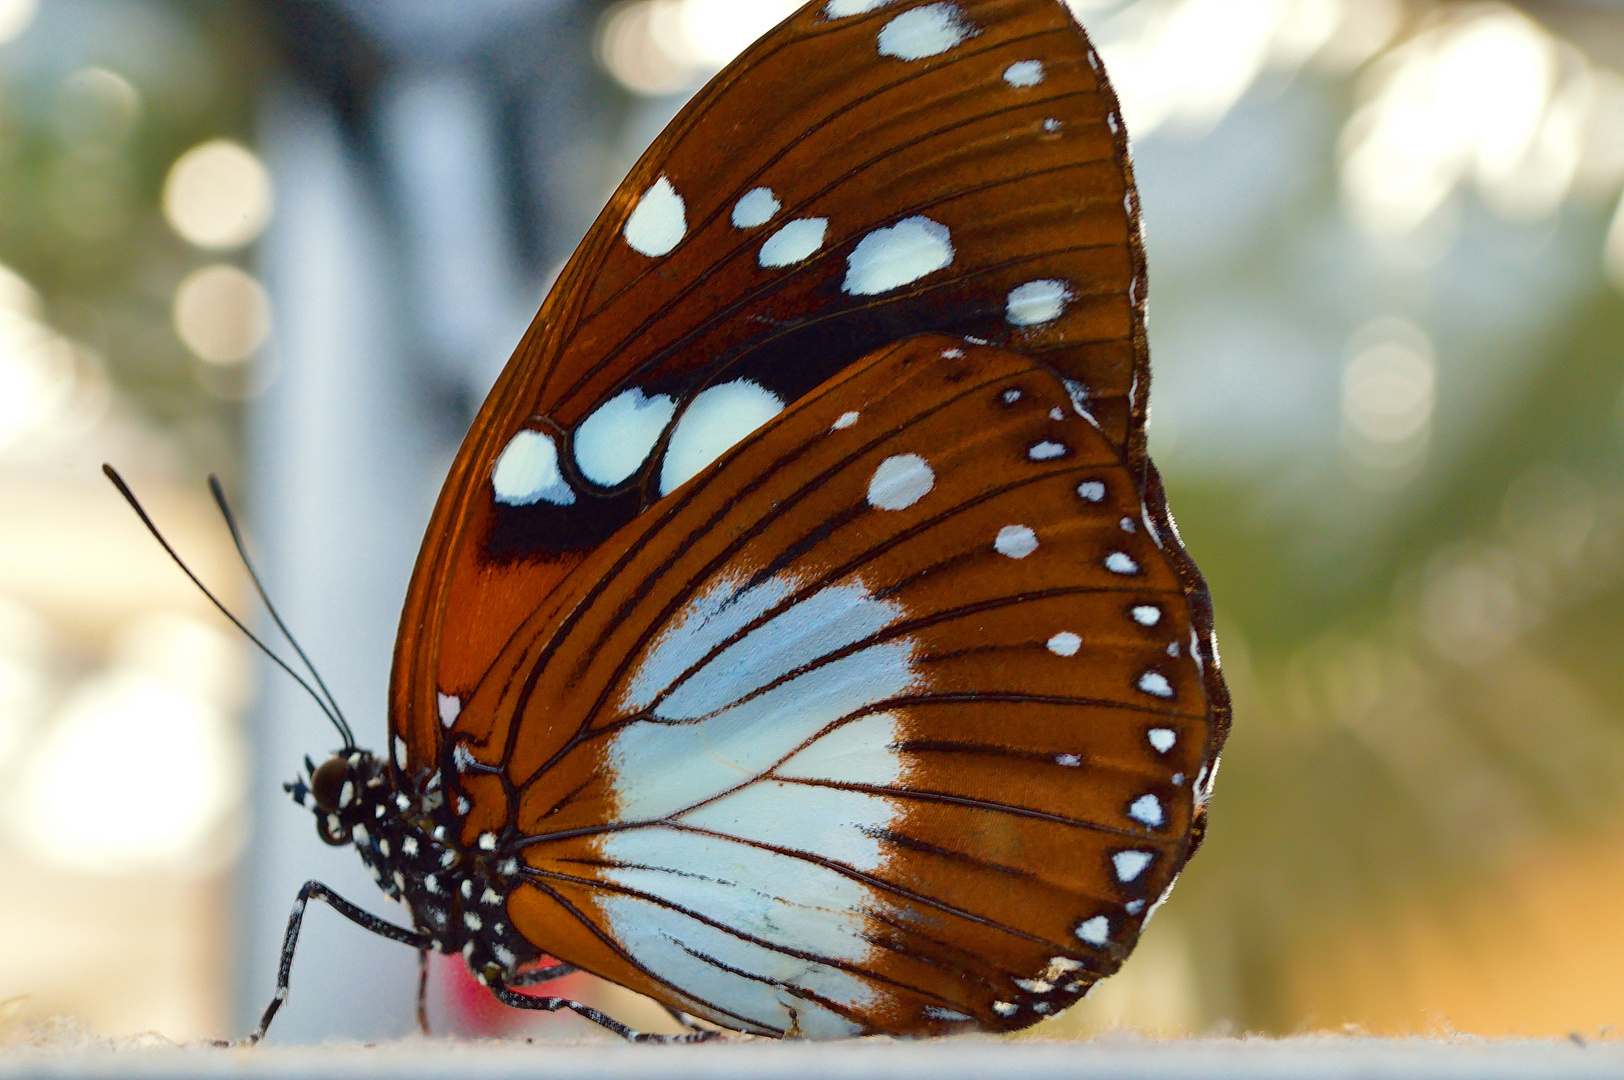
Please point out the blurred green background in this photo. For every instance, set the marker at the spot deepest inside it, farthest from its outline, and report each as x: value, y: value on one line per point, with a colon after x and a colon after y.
x: 1387, y: 322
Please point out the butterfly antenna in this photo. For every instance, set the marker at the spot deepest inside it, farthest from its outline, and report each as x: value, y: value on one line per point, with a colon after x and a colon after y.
x: 242, y: 552
x: 135, y: 504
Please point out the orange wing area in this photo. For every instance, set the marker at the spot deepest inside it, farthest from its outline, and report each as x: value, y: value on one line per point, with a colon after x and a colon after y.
x: 983, y: 127
x: 899, y: 718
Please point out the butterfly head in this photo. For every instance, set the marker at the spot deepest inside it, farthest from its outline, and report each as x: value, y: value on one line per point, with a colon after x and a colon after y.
x: 336, y: 792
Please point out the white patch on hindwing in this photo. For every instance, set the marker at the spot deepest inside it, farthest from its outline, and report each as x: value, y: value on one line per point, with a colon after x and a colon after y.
x: 900, y: 481
x: 781, y: 902
x: 1065, y: 643
x: 1015, y: 541
x: 1095, y: 931
x: 725, y: 769
x: 720, y: 721
x: 861, y: 751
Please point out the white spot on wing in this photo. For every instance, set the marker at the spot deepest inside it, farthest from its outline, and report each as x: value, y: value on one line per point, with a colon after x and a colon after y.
x: 1092, y: 490
x: 793, y: 242
x: 1024, y: 73
x: 1036, y: 302
x: 527, y: 472
x: 1005, y: 1008
x: 890, y: 258
x: 1119, y: 563
x: 1095, y: 931
x: 1155, y: 684
x: 1130, y: 864
x: 659, y: 221
x: 1147, y: 614
x: 714, y: 422
x: 400, y: 755
x: 839, y: 9
x: 613, y: 442
x: 1163, y: 739
x: 756, y: 207
x: 924, y: 31
x: 1044, y: 451
x: 1070, y: 761
x: 1147, y: 810
x: 450, y: 708
x: 1065, y: 643
x: 900, y: 481
x: 1016, y: 541
x: 846, y: 420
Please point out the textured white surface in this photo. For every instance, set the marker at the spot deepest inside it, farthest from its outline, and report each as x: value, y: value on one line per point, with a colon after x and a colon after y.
x: 1117, y: 1057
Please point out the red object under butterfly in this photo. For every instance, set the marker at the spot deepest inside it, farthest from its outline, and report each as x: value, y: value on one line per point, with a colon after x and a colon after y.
x: 801, y: 637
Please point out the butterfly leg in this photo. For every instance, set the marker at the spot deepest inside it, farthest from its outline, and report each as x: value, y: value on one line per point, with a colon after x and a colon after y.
x: 315, y: 890
x: 542, y: 975
x: 423, y: 992
x: 684, y: 1019
x: 552, y: 1004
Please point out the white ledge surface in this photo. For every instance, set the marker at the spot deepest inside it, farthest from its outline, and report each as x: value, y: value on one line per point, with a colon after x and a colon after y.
x: 971, y: 1058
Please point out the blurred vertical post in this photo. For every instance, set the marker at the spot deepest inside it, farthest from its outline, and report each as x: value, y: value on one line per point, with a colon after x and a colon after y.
x: 413, y: 149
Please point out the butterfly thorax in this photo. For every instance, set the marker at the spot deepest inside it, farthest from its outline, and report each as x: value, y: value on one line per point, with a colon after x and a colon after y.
x: 410, y: 840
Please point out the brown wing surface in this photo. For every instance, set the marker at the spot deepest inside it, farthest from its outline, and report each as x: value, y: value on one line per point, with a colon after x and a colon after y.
x: 899, y: 718
x: 866, y: 172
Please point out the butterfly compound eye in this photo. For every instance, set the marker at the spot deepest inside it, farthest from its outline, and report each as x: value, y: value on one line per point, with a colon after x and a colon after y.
x: 327, y: 783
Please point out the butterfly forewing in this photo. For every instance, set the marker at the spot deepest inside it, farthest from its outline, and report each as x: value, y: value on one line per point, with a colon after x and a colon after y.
x: 892, y: 720
x: 865, y: 172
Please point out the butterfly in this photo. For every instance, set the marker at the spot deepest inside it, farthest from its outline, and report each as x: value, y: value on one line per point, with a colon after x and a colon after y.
x: 801, y: 637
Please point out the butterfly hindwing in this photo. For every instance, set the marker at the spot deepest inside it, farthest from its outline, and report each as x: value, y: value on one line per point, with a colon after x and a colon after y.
x: 895, y: 719
x: 863, y: 173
